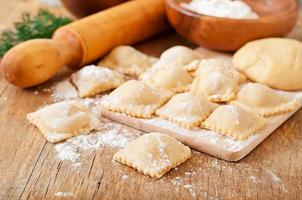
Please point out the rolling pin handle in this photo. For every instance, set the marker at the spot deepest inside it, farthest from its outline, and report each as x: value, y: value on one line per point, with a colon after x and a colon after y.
x: 31, y: 62
x: 70, y: 46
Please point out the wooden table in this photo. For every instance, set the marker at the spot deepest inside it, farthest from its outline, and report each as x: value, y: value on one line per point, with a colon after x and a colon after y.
x: 29, y: 168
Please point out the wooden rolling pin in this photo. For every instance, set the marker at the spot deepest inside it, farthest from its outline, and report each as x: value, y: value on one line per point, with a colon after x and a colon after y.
x: 83, y: 41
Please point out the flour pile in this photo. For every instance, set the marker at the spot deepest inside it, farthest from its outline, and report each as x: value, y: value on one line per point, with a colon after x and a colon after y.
x: 110, y: 134
x: 63, y: 91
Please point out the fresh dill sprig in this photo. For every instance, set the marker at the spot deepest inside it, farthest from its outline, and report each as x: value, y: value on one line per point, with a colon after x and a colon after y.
x: 29, y: 27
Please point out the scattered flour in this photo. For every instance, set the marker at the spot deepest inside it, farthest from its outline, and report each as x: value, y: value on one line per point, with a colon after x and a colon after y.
x: 110, y: 134
x: 267, y: 178
x: 181, y: 183
x: 274, y: 177
x: 189, y: 187
x: 67, y: 152
x: 254, y: 179
x: 64, y: 90
x: 63, y: 194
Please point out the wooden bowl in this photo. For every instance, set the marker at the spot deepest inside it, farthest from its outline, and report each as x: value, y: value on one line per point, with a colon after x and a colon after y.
x: 82, y: 8
x: 277, y: 18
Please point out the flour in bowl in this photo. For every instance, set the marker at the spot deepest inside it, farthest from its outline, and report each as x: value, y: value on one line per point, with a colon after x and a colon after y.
x: 221, y: 8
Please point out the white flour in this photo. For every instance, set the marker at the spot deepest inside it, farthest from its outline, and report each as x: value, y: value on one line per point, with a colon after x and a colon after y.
x: 254, y: 179
x: 110, y: 135
x: 64, y: 90
x: 274, y: 177
x: 189, y: 187
x: 124, y: 177
x: 267, y: 179
x: 63, y: 194
x: 184, y: 183
x: 222, y: 8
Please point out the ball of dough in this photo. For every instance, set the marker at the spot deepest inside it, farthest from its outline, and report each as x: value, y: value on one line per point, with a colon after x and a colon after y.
x: 276, y: 62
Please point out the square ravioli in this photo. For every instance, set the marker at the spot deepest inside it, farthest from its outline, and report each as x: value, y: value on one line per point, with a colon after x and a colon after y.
x: 223, y: 64
x: 217, y: 80
x: 92, y: 80
x: 136, y: 99
x: 63, y: 120
x: 128, y: 60
x: 153, y: 154
x: 181, y: 56
x: 186, y: 110
x: 234, y: 122
x: 172, y: 78
x: 263, y: 100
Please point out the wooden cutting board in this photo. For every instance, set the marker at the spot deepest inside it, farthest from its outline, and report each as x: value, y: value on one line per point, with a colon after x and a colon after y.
x: 204, y: 140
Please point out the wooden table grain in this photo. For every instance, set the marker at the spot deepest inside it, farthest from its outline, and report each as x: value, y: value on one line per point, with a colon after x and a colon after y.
x: 30, y: 169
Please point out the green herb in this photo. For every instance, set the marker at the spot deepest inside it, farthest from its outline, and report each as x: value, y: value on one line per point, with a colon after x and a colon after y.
x: 29, y: 27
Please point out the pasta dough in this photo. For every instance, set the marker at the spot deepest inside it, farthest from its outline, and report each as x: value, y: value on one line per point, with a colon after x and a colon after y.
x: 186, y: 110
x: 63, y: 120
x: 136, y: 99
x: 173, y: 78
x: 216, y: 84
x: 92, y: 80
x: 263, y: 100
x: 153, y: 154
x: 127, y: 60
x: 182, y: 56
x: 223, y: 64
x: 234, y: 122
x: 276, y: 62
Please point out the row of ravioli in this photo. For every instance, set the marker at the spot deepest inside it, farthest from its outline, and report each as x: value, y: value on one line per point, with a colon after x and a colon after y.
x: 238, y: 119
x: 183, y: 87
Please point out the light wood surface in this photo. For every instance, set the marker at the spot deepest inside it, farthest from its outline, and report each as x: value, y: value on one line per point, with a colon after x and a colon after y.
x: 29, y: 168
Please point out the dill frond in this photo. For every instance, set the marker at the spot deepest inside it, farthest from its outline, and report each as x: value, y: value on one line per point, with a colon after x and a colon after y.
x: 29, y: 27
